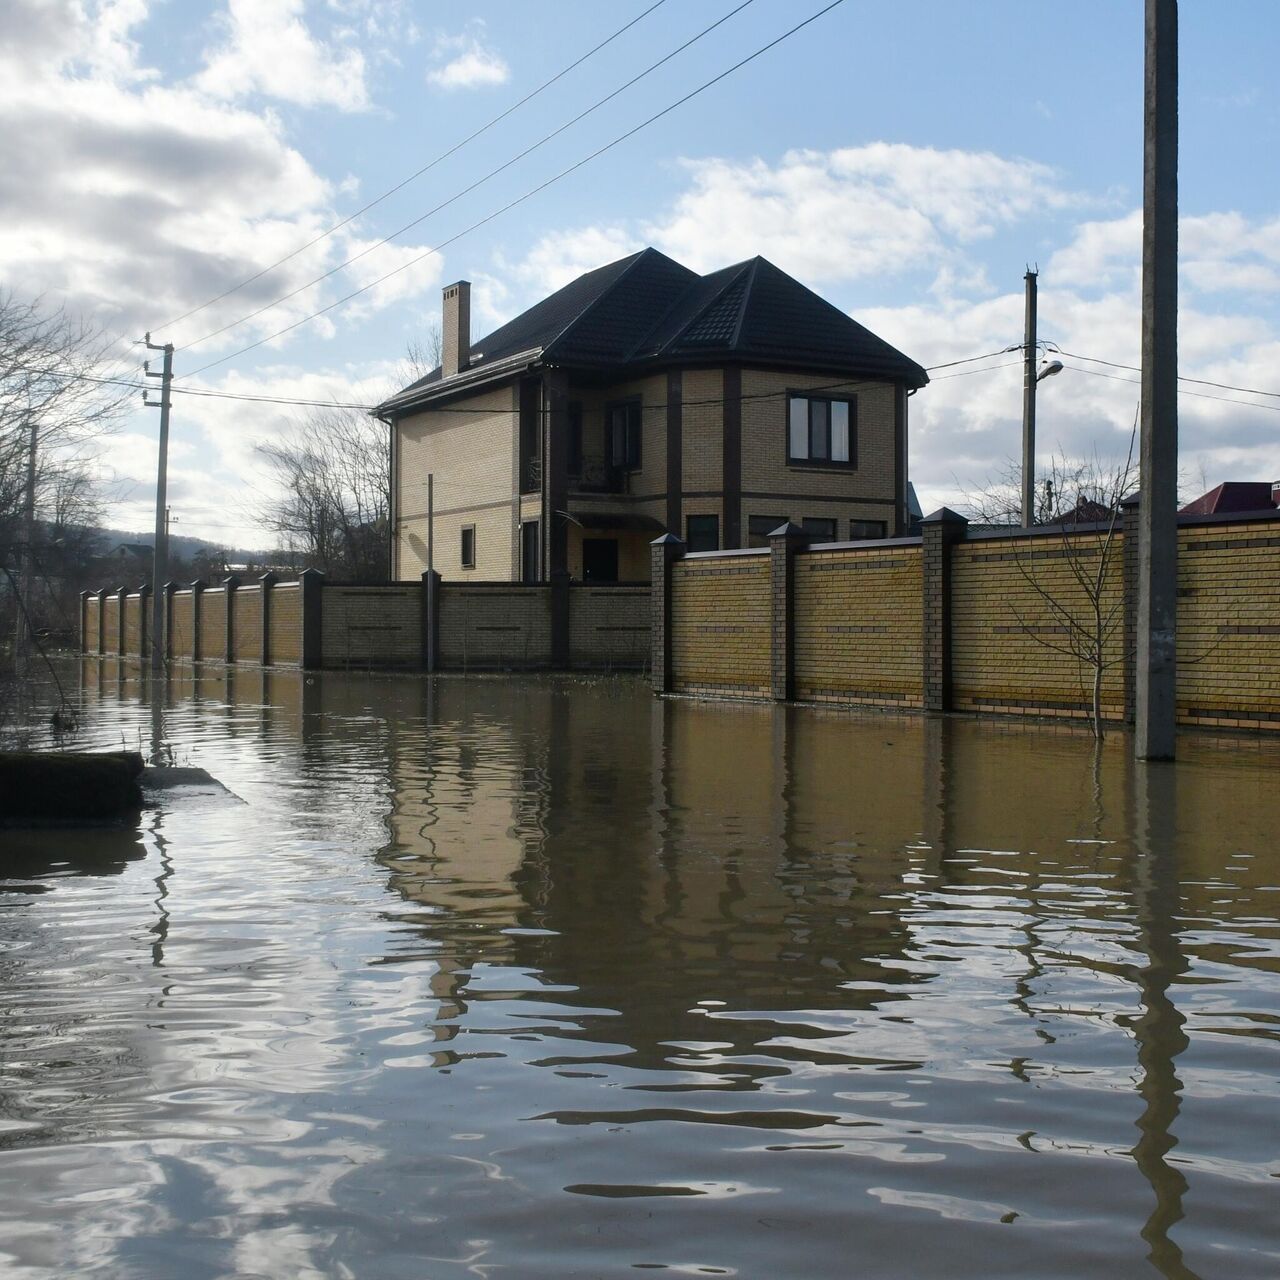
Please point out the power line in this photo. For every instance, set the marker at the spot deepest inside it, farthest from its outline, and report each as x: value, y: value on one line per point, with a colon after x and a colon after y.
x: 444, y: 155
x: 1200, y: 382
x: 950, y: 364
x: 542, y: 186
x: 1200, y: 395
x: 479, y: 182
x: 968, y: 373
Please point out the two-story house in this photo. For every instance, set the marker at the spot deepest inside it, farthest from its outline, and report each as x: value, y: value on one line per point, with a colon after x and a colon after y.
x: 641, y: 398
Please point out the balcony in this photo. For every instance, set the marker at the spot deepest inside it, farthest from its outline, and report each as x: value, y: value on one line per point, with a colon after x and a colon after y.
x: 597, y: 476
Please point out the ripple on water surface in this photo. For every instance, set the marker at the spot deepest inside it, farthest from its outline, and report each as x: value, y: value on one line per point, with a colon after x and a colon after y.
x: 548, y: 978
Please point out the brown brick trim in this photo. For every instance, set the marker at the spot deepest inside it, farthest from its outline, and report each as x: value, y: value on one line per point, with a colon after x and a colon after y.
x: 731, y: 459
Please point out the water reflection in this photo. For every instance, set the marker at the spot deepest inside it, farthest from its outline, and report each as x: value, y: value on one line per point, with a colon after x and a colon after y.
x: 552, y: 977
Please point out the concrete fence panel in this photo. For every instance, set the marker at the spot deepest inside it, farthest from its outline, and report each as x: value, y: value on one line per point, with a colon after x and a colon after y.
x: 494, y: 626
x: 1022, y: 622
x: 720, y: 625
x: 183, y: 635
x: 133, y: 624
x: 608, y: 627
x: 1229, y: 625
x: 859, y: 627
x: 92, y: 624
x: 373, y: 626
x: 213, y: 625
x: 247, y: 625
x: 285, y: 626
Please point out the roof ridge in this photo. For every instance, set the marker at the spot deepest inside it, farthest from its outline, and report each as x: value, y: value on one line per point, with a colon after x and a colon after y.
x: 752, y: 268
x: 733, y: 273
x: 636, y: 258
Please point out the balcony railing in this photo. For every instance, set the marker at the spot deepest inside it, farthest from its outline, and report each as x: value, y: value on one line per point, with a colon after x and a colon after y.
x: 597, y: 476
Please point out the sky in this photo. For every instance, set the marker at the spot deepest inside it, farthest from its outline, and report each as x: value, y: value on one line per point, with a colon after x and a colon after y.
x: 906, y: 161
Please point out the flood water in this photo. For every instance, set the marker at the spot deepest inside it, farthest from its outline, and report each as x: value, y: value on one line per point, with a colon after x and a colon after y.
x: 548, y: 978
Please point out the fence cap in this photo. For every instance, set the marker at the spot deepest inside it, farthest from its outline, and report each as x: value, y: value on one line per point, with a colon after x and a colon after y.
x: 944, y: 515
x: 667, y: 540
x: 790, y: 531
x: 172, y: 585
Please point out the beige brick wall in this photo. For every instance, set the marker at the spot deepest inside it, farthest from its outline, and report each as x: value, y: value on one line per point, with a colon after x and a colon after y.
x: 496, y: 626
x: 1008, y: 637
x: 702, y: 429
x: 181, y: 625
x: 246, y: 634
x: 764, y: 442
x: 720, y: 626
x: 133, y: 624
x: 472, y: 458
x: 859, y: 626
x: 89, y: 641
x: 213, y: 622
x: 608, y: 627
x: 371, y: 626
x: 285, y: 640
x: 111, y: 631
x: 1229, y: 625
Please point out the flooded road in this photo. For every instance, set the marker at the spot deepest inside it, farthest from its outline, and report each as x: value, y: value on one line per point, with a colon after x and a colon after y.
x: 548, y: 978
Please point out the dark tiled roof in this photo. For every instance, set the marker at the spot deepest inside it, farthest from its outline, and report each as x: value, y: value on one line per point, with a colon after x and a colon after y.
x: 648, y: 310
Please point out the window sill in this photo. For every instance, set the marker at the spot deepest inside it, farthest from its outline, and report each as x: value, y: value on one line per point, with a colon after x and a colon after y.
x: 820, y: 467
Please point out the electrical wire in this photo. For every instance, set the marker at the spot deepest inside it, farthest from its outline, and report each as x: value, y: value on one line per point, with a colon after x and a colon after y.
x: 542, y: 186
x: 1199, y: 395
x: 1200, y: 382
x: 404, y: 182
x: 457, y: 195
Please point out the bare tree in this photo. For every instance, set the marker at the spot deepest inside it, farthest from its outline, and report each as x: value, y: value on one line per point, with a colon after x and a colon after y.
x: 1076, y: 581
x: 423, y: 356
x: 333, y: 501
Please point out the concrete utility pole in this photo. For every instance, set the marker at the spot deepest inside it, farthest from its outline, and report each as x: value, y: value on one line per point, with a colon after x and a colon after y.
x: 1155, y: 706
x: 22, y: 626
x: 1029, y: 353
x: 160, y: 563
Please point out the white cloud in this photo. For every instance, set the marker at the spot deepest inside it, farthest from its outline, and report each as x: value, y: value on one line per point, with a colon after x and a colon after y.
x: 269, y: 49
x: 465, y: 62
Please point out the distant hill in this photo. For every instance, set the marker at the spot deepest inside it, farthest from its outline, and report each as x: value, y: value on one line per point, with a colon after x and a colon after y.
x: 185, y: 548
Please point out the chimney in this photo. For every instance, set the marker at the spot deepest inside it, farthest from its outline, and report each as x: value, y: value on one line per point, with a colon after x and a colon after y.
x: 456, y: 336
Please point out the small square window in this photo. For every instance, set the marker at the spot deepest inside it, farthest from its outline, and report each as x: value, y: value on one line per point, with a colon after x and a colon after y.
x: 468, y: 546
x: 702, y: 533
x: 760, y: 527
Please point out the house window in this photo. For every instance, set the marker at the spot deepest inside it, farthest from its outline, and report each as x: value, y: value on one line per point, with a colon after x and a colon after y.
x: 468, y: 546
x: 575, y: 438
x: 623, y: 433
x: 819, y: 528
x: 760, y: 527
x: 867, y: 529
x: 821, y: 430
x: 702, y: 533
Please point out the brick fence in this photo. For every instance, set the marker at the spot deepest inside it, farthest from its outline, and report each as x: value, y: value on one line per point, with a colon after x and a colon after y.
x: 424, y: 625
x: 971, y: 620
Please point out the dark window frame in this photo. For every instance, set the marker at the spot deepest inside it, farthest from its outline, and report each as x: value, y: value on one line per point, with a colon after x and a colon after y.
x: 633, y: 433
x: 829, y: 534
x: 462, y: 549
x: 688, y: 532
x: 856, y: 535
x: 809, y: 460
x: 774, y: 523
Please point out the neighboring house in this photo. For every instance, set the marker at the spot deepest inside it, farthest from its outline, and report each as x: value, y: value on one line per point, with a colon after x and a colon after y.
x: 135, y: 554
x: 640, y: 398
x: 1235, y: 495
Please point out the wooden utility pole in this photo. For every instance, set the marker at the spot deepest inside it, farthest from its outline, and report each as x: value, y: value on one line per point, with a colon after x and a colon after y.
x: 1155, y: 687
x: 160, y: 563
x: 1029, y: 354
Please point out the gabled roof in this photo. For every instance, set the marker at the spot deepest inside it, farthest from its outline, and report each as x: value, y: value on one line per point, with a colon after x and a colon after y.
x: 647, y: 310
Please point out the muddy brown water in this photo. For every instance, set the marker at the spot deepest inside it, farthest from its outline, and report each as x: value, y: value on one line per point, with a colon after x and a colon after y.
x: 548, y: 978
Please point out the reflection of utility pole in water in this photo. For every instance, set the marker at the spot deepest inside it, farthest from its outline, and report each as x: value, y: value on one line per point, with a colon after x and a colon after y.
x: 160, y: 930
x: 938, y: 808
x: 1159, y: 1029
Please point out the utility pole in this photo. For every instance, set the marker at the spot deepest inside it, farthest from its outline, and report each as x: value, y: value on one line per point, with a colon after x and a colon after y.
x: 160, y: 564
x: 1155, y: 687
x: 1029, y: 353
x: 22, y: 626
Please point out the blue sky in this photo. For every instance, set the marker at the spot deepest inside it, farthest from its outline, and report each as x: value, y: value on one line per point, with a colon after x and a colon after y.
x: 906, y: 161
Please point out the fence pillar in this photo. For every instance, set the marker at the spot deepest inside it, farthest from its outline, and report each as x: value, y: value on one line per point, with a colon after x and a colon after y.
x: 197, y: 607
x: 560, y: 621
x: 144, y: 620
x: 663, y: 554
x: 122, y: 608
x: 940, y: 531
x: 268, y: 582
x: 102, y: 620
x: 311, y: 584
x: 1129, y: 585
x: 230, y: 586
x: 84, y: 622
x: 170, y: 588
x: 784, y: 542
x: 430, y: 619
